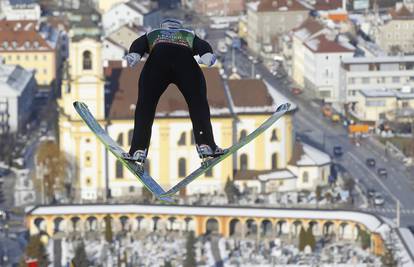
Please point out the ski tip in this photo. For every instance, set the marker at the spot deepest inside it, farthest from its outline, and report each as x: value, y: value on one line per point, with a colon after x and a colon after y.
x: 76, y: 103
x: 283, y: 107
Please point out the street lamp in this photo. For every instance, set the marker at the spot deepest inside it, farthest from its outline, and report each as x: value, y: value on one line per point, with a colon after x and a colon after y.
x: 254, y: 61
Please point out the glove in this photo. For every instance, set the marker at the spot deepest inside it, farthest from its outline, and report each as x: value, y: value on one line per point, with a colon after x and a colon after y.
x: 207, y: 59
x: 132, y: 59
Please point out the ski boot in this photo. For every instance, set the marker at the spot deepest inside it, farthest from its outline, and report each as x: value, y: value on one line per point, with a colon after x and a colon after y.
x: 139, y: 157
x: 205, y: 152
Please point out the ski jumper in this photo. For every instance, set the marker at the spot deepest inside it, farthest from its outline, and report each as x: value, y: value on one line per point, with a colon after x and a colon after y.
x: 171, y: 60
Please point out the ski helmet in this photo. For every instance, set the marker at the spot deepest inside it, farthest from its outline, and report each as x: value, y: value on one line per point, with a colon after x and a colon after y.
x: 171, y: 23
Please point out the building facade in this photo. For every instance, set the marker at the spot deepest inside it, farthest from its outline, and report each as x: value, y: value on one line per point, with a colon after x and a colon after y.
x: 266, y: 19
x: 18, y: 87
x: 372, y: 73
x: 219, y: 7
x: 396, y: 34
x: 33, y: 46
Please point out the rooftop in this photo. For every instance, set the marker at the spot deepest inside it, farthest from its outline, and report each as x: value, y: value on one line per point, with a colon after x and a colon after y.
x: 308, y: 27
x: 401, y: 13
x: 14, y: 77
x: 306, y: 155
x: 277, y: 6
x: 27, y: 35
x: 321, y: 44
x: 384, y: 92
x: 380, y: 59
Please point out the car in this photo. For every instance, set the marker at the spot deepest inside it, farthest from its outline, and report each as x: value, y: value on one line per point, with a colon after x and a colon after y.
x: 296, y: 90
x: 371, y: 192
x: 382, y: 172
x: 370, y: 162
x: 379, y: 200
x: 337, y: 151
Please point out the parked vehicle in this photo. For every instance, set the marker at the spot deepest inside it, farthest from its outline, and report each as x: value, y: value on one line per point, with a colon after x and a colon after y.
x: 382, y: 172
x: 296, y: 90
x: 371, y: 192
x: 337, y: 151
x: 379, y: 200
x: 222, y: 47
x: 370, y: 162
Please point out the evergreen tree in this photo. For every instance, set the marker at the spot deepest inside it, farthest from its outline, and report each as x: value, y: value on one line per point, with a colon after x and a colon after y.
x: 36, y: 250
x: 108, y: 229
x: 318, y: 193
x: 365, y: 239
x: 190, y: 260
x: 310, y: 238
x: 388, y: 259
x: 302, y: 239
x: 167, y: 264
x: 80, y: 259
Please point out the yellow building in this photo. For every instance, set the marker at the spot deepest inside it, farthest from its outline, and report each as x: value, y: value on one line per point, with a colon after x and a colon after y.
x: 373, y: 105
x: 31, y: 45
x: 237, y: 108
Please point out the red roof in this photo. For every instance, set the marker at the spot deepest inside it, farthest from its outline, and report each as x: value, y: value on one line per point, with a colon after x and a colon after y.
x: 327, y: 4
x: 321, y: 44
x: 402, y: 13
x: 280, y: 5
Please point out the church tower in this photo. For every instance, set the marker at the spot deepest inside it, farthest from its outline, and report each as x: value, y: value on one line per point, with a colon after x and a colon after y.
x: 83, y: 80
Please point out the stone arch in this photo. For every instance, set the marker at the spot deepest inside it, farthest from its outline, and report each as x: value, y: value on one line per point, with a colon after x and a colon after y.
x: 212, y: 226
x: 142, y: 224
x: 155, y: 223
x: 282, y: 228
x: 125, y: 223
x: 314, y: 225
x: 58, y: 225
x: 235, y: 227
x: 328, y: 228
x: 344, y: 231
x: 189, y: 224
x: 75, y: 224
x: 40, y: 224
x: 355, y: 232
x: 91, y: 224
x: 251, y: 227
x: 172, y: 223
x: 103, y: 222
x: 244, y: 162
x: 295, y: 228
x: 182, y: 167
x: 266, y: 228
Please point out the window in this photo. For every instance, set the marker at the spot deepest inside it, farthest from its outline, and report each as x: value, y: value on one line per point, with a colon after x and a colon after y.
x: 87, y: 140
x: 365, y: 80
x: 147, y: 166
x: 87, y: 60
x: 243, y: 162
x: 351, y: 80
x: 120, y: 139
x: 130, y: 136
x: 88, y: 181
x: 274, y: 161
x: 35, y: 57
x: 274, y: 138
x: 305, y: 177
x: 405, y: 104
x: 375, y: 103
x: 395, y: 79
x: 181, y: 167
x: 88, y: 159
x: 44, y: 57
x: 181, y: 141
x: 44, y: 71
x: 243, y: 134
x: 131, y: 189
x: 192, y: 138
x: 17, y: 57
x: 119, y: 170
x: 26, y: 57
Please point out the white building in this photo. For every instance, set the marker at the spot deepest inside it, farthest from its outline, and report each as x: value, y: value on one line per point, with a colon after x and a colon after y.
x: 132, y: 12
x: 24, y: 190
x: 391, y: 72
x: 323, y: 55
x: 20, y: 10
x: 18, y: 87
x: 117, y: 43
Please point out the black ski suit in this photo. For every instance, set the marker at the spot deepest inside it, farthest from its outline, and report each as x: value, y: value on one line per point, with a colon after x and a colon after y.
x: 171, y: 60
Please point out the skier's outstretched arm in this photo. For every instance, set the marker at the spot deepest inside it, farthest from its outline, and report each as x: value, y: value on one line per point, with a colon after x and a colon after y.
x: 204, y: 50
x: 138, y: 48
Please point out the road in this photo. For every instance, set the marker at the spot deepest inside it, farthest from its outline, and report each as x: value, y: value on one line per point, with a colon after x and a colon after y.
x: 310, y: 125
